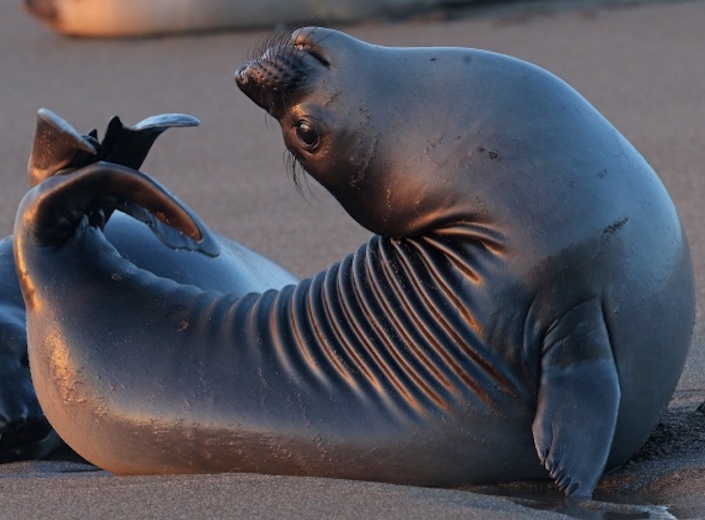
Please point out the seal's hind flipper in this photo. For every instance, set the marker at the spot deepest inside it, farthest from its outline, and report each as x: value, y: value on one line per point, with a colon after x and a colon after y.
x: 60, y: 203
x: 129, y: 146
x: 578, y: 399
x: 55, y: 146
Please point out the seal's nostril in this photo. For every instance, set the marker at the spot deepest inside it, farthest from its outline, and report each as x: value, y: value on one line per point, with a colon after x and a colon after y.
x: 272, y: 79
x: 241, y: 77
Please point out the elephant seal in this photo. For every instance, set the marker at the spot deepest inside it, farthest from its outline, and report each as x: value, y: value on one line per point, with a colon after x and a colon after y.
x: 523, y: 310
x: 228, y: 266
x: 137, y: 18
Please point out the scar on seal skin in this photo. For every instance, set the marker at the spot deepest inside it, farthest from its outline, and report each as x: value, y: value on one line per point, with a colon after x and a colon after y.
x: 487, y: 332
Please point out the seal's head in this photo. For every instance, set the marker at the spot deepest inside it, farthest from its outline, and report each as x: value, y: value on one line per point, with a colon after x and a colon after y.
x: 413, y: 140
x: 346, y: 122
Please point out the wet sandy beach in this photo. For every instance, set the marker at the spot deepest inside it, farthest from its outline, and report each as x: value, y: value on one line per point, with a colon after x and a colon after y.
x: 640, y: 63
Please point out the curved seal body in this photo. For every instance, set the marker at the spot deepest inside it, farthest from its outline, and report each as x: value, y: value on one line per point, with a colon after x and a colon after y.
x: 229, y: 268
x: 527, y: 300
x: 24, y: 431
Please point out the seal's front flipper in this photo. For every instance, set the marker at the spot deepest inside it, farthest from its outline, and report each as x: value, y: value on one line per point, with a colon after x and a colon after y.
x: 578, y: 399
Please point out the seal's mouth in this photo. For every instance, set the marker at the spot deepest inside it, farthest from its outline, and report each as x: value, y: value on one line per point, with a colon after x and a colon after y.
x: 272, y: 79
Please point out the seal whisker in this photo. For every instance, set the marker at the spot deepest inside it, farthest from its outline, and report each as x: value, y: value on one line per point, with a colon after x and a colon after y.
x: 268, y: 121
x: 275, y: 39
x: 297, y: 174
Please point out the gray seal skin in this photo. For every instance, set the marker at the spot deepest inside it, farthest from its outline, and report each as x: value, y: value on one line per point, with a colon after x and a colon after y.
x: 524, y: 309
x: 230, y: 267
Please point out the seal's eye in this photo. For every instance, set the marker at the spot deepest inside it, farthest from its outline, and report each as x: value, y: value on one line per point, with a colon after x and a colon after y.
x: 307, y: 135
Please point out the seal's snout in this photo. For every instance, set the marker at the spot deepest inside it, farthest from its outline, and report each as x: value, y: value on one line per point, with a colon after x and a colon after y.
x: 274, y: 76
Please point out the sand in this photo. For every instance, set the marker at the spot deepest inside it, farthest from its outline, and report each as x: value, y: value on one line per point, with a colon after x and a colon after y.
x: 640, y: 63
